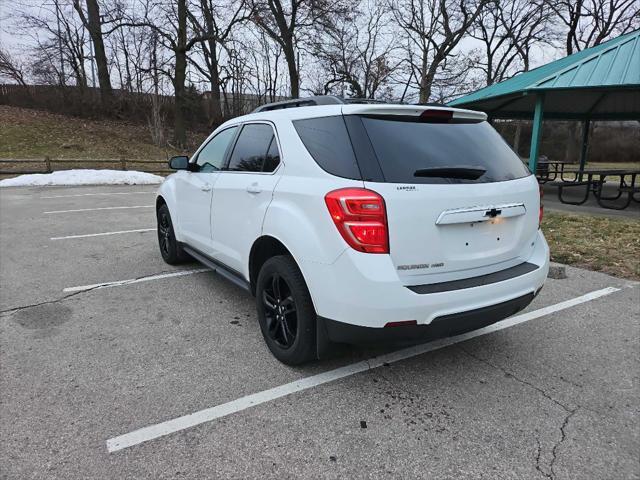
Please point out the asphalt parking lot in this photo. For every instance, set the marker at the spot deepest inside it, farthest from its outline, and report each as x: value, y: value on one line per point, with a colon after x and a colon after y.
x: 99, y: 339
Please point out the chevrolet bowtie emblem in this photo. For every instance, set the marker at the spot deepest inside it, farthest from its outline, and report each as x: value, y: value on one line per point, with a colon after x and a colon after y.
x: 494, y: 212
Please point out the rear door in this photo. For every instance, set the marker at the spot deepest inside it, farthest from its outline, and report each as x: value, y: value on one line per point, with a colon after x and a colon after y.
x: 242, y: 194
x: 459, y: 202
x: 194, y: 190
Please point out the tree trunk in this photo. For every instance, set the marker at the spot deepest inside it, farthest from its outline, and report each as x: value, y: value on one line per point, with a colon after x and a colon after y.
x: 426, y: 82
x: 294, y: 78
x: 516, y: 137
x: 571, y: 152
x: 95, y: 30
x: 214, y: 103
x: 179, y: 129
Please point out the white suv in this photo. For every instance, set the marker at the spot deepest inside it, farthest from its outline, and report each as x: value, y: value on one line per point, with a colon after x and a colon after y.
x: 359, y: 222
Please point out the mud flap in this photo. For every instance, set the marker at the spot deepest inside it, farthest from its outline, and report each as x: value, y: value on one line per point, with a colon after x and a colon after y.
x: 323, y: 344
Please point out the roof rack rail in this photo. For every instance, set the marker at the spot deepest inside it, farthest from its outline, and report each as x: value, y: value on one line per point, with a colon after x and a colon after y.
x: 362, y: 100
x: 313, y: 101
x: 301, y: 102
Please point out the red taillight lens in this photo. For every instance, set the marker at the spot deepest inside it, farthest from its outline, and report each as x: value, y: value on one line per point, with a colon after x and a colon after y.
x: 541, y: 214
x: 361, y: 218
x: 436, y: 116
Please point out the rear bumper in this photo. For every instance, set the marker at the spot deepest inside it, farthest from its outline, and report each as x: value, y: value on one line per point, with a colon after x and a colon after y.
x: 446, y: 326
x: 364, y: 290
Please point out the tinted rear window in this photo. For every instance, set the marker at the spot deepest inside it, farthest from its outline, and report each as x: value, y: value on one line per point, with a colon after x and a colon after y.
x: 403, y: 147
x: 327, y: 141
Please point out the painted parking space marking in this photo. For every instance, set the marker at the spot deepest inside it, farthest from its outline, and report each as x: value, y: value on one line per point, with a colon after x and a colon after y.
x: 98, y: 208
x: 187, y: 421
x: 131, y: 281
x: 98, y: 194
x: 119, y: 232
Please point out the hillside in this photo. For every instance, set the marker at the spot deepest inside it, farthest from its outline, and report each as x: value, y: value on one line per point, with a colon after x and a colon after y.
x: 28, y: 133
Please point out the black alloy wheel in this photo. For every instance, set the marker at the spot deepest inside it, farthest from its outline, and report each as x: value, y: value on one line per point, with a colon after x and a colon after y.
x: 285, y: 311
x: 171, y: 251
x: 280, y: 311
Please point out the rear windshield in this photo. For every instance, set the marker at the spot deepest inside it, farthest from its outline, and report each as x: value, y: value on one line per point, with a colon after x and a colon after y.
x: 405, y: 148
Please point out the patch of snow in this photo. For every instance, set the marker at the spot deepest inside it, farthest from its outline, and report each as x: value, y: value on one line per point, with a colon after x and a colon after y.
x: 83, y: 177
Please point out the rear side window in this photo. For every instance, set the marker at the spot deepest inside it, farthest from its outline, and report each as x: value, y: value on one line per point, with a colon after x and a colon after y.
x: 256, y: 150
x: 327, y: 141
x: 403, y: 148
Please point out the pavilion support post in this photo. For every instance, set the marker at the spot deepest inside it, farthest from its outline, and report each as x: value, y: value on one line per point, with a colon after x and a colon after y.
x: 585, y: 146
x: 536, y: 133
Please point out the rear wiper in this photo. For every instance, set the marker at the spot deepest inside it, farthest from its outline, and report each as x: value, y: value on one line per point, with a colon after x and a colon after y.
x: 465, y: 173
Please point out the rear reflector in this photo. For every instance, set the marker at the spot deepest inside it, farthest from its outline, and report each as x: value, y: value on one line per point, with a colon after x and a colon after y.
x: 541, y: 213
x: 401, y: 324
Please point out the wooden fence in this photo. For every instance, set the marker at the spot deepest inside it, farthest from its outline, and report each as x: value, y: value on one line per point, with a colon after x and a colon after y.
x: 48, y: 165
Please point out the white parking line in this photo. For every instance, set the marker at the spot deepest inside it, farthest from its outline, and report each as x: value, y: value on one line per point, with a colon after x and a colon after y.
x: 136, y: 280
x: 181, y: 423
x: 100, y: 208
x: 104, y: 233
x: 98, y: 194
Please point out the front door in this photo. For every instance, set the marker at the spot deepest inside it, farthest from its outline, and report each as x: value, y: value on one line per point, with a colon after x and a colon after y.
x: 194, y: 190
x: 242, y: 194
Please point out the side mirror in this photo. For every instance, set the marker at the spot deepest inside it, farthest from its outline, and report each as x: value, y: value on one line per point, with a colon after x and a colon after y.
x: 180, y: 162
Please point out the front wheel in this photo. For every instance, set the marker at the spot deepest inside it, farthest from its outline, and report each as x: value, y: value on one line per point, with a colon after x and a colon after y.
x: 285, y: 311
x: 170, y: 249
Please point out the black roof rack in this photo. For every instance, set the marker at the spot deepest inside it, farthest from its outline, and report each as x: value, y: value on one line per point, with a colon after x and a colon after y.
x: 313, y: 101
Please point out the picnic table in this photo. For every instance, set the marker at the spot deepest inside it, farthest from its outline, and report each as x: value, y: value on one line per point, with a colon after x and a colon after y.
x: 593, y: 181
x: 548, y: 170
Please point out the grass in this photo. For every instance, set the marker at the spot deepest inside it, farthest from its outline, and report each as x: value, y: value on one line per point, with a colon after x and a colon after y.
x: 610, y: 245
x: 26, y: 134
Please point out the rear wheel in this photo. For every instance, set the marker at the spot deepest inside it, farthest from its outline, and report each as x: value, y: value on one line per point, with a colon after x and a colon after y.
x: 285, y: 311
x: 170, y: 250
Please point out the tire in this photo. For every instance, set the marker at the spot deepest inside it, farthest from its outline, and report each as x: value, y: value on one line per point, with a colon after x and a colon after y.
x: 285, y: 311
x: 170, y: 250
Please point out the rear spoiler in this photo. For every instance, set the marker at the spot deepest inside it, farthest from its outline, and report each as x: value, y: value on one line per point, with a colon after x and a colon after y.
x: 423, y: 111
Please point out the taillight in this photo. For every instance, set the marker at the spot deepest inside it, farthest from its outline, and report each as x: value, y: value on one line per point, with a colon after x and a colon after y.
x: 436, y: 116
x: 541, y: 214
x: 361, y: 218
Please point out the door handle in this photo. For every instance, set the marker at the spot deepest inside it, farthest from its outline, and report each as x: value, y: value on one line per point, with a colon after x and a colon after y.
x: 254, y: 188
x: 205, y: 187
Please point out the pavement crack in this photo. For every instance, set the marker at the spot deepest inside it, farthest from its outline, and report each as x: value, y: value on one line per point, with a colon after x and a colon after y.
x: 538, y: 455
x: 569, y: 412
x: 509, y: 374
x: 10, y: 311
x: 563, y: 436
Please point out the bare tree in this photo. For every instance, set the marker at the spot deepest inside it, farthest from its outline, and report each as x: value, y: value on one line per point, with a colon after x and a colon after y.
x: 215, y: 31
x: 58, y: 38
x: 169, y: 21
x: 588, y: 23
x: 433, y: 28
x: 11, y: 68
x: 284, y: 23
x: 93, y: 23
x: 508, y: 29
x: 356, y: 51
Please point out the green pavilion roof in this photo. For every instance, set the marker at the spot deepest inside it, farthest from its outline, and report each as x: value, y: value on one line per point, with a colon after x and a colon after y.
x: 602, y: 82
